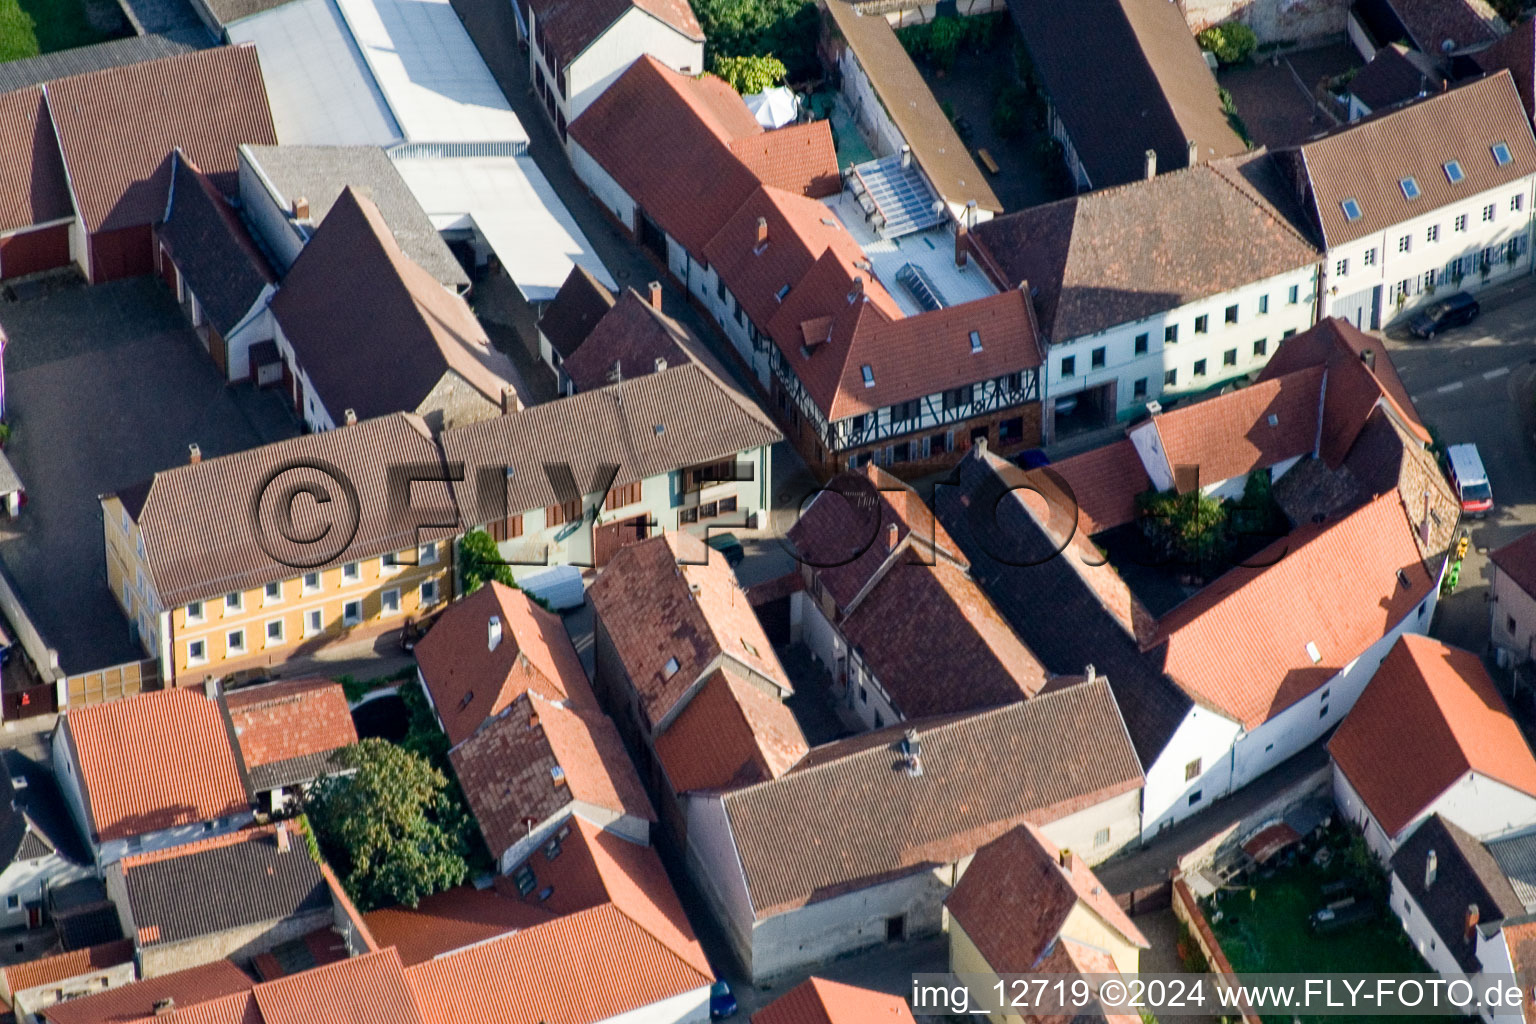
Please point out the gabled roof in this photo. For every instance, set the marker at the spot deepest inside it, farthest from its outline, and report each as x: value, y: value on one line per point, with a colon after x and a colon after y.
x: 470, y: 682
x: 576, y: 308
x: 1466, y: 875
x: 131, y: 1003
x: 568, y: 27
x: 632, y: 336
x: 219, y: 885
x: 536, y: 757
x: 1517, y: 560
x: 1432, y: 24
x: 196, y: 518
x: 1119, y: 255
x: 799, y: 158
x: 1515, y: 52
x: 278, y: 725
x: 672, y: 608
x: 1339, y: 586
x: 614, y: 939
x: 134, y: 755
x: 412, y: 330
x: 1367, y: 161
x: 1150, y: 88
x: 371, y: 988
x: 1017, y: 894
x: 211, y: 247
x: 63, y: 966
x: 873, y: 821
x: 911, y: 105
x: 1429, y: 715
x: 33, y: 189
x: 684, y: 416
x: 730, y: 733
x: 117, y: 125
x: 319, y: 174
x: 819, y: 1001
x: 1104, y: 483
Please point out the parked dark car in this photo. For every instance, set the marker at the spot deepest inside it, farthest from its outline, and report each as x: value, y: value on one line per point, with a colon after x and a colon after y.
x: 1457, y: 311
x: 729, y: 546
x: 722, y: 1002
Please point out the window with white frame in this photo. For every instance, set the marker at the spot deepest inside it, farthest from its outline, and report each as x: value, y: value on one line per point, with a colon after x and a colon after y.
x: 1516, y: 203
x: 1488, y: 213
x: 352, y: 613
x: 1461, y: 222
x: 197, y: 652
x: 314, y: 622
x: 194, y: 611
x: 234, y: 602
x: 427, y: 554
x: 275, y: 632
x: 1405, y: 243
x: 312, y: 583
x: 429, y: 592
x: 273, y: 594
x: 390, y: 562
x: 350, y: 573
x: 1368, y: 258
x: 389, y: 601
x: 234, y: 640
x: 1432, y: 233
x: 1341, y: 268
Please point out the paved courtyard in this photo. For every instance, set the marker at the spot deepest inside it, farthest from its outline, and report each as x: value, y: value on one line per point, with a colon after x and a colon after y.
x: 105, y: 386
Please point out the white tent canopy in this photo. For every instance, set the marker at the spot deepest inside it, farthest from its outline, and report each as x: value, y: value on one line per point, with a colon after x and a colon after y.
x: 773, y: 108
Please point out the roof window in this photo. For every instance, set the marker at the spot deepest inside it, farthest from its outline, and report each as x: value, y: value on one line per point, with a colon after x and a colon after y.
x: 1453, y: 172
x: 1351, y: 208
x: 1410, y: 188
x: 975, y: 341
x: 869, y: 375
x: 1501, y: 153
x: 1313, y: 652
x: 781, y: 293
x: 670, y: 669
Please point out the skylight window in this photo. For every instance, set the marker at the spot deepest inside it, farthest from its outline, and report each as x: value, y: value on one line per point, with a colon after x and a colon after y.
x: 671, y: 668
x: 869, y: 375
x: 975, y: 341
x: 1501, y: 153
x: 781, y: 293
x: 1351, y: 209
x: 1410, y: 188
x: 1453, y: 172
x: 1313, y: 652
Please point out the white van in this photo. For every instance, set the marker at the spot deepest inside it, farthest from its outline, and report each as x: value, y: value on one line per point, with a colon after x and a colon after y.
x: 1470, y: 479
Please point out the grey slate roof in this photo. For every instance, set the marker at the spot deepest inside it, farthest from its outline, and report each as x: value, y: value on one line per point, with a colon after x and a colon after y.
x: 253, y: 879
x: 212, y: 248
x: 295, y: 770
x: 319, y: 173
x: 1466, y: 875
x: 18, y: 74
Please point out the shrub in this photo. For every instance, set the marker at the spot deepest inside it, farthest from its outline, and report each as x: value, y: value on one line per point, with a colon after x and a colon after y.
x: 750, y: 74
x: 480, y: 562
x: 786, y: 29
x: 1189, y: 528
x: 1010, y: 111
x: 1232, y: 43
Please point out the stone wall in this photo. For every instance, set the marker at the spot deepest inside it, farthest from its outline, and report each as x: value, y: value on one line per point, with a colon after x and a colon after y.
x: 1274, y: 21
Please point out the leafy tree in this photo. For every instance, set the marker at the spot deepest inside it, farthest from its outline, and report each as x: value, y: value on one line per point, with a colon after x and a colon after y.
x: 1232, y: 43
x: 1191, y: 528
x: 480, y: 562
x: 786, y: 29
x: 390, y: 828
x: 750, y: 74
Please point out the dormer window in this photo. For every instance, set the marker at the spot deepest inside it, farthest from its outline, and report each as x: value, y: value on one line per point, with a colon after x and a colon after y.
x: 869, y: 375
x: 1351, y: 208
x: 975, y: 342
x: 1501, y: 153
x: 1410, y: 188
x: 1453, y: 172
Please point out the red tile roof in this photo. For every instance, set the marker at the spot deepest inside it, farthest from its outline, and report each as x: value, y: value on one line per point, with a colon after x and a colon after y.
x: 134, y: 1002
x: 450, y: 920
x: 1429, y: 715
x: 669, y: 599
x: 1017, y: 894
x: 1072, y: 957
x: 536, y: 757
x: 470, y: 683
x: 154, y: 761
x: 1517, y: 53
x: 292, y: 718
x: 1521, y: 940
x: 730, y: 733
x: 62, y: 966
x: 1104, y: 483
x: 1517, y: 560
x: 819, y: 1001
x: 117, y: 125
x: 369, y: 989
x: 633, y: 335
x: 1338, y: 585
x: 570, y: 26
x: 33, y: 189
x: 799, y: 158
x: 1463, y: 24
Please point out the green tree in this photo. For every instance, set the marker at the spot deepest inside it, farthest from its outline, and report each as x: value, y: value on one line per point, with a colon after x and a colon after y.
x: 1190, y: 528
x: 944, y: 38
x: 480, y: 561
x: 786, y: 29
x: 751, y: 73
x: 390, y: 828
x: 1232, y: 43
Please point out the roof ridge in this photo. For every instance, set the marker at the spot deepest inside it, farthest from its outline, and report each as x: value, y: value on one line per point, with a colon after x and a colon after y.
x: 1263, y: 208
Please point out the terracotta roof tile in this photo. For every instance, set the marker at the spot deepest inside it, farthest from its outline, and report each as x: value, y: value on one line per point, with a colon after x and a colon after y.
x: 632, y: 335
x: 1105, y: 483
x: 470, y: 682
x: 117, y: 125
x: 1118, y: 255
x: 62, y: 966
x: 536, y: 757
x: 417, y: 330
x: 288, y: 719
x: 647, y: 603
x: 137, y: 1001
x: 369, y: 989
x: 730, y: 733
x: 873, y: 821
x: 1072, y: 957
x: 1429, y: 715
x: 33, y: 189
x: 1367, y: 161
x: 1462, y: 23
x: 196, y: 518
x: 1016, y: 895
x: 1521, y: 941
x: 1297, y: 587
x: 798, y: 158
x: 1515, y: 52
x: 1517, y: 560
x: 153, y: 761
x: 450, y: 920
x: 570, y: 26
x: 819, y: 1001
x: 576, y: 308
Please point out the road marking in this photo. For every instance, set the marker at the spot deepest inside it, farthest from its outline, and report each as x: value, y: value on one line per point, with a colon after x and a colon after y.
x: 1445, y: 388
x: 1491, y: 374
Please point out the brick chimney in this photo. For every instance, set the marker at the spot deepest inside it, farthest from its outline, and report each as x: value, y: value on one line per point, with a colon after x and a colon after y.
x: 962, y: 245
x: 508, y: 398
x: 194, y: 454
x: 1473, y: 916
x: 762, y: 231
x: 301, y: 208
x: 655, y: 294
x: 282, y: 837
x: 1068, y: 860
x: 349, y: 418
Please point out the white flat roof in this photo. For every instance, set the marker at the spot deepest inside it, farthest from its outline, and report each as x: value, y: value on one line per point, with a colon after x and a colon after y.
x: 515, y: 209
x: 932, y: 250
x: 321, y: 91
x: 430, y: 72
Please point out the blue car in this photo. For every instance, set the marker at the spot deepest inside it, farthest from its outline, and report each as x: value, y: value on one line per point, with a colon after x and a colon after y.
x: 722, y: 1003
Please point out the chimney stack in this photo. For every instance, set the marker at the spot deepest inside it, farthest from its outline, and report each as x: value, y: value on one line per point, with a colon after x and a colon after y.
x: 1092, y: 673
x: 194, y: 454
x: 1068, y: 859
x: 282, y: 837
x: 1473, y: 916
x: 509, y: 401
x: 762, y: 231
x: 661, y: 364
x: 349, y: 418
x: 906, y: 155
x: 1194, y: 153
x: 1151, y: 164
x: 655, y: 294
x: 858, y: 289
x: 493, y: 633
x: 1368, y: 357
x: 301, y: 208
x: 962, y: 241
x: 164, y: 1006
x: 1431, y: 868
x: 892, y: 537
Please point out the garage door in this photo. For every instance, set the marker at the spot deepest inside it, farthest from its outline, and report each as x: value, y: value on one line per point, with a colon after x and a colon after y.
x: 33, y: 251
